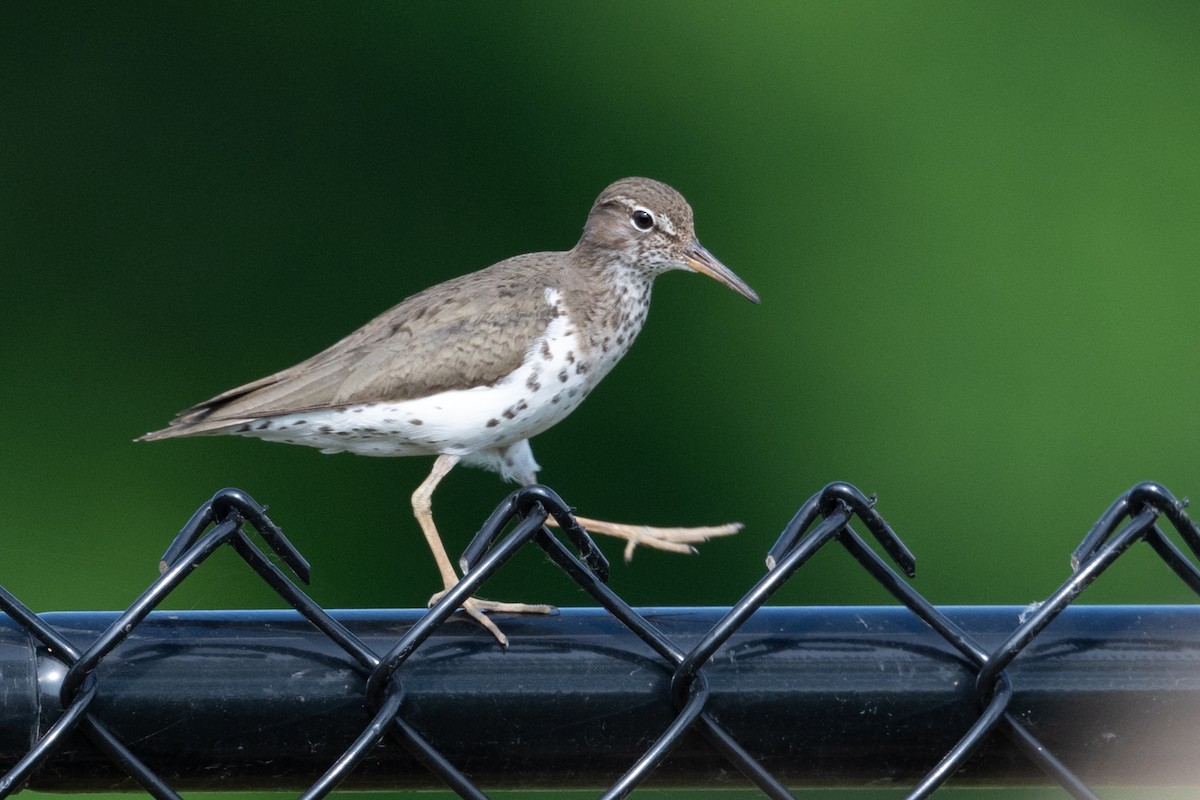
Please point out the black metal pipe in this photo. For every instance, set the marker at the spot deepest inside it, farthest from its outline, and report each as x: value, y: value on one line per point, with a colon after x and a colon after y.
x: 247, y: 700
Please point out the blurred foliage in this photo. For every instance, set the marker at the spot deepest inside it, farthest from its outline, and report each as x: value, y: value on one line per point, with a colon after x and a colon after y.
x: 973, y: 227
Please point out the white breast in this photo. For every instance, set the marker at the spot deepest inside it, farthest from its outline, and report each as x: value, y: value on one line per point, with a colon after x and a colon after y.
x: 550, y: 383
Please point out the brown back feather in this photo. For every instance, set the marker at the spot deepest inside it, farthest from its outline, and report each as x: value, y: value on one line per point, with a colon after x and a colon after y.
x: 469, y: 331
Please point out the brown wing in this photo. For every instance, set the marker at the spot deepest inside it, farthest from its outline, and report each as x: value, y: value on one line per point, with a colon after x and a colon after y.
x: 469, y: 331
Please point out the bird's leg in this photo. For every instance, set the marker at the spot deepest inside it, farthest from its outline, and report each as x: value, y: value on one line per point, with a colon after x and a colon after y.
x: 519, y: 458
x: 423, y: 510
x: 422, y: 505
x: 675, y: 540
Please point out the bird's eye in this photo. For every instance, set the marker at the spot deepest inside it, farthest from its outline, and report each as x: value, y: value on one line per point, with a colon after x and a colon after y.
x: 643, y: 220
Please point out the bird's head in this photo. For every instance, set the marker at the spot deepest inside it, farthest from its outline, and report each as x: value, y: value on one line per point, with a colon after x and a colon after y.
x: 648, y: 225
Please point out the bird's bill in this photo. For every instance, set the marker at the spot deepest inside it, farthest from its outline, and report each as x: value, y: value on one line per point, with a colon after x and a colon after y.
x: 704, y: 262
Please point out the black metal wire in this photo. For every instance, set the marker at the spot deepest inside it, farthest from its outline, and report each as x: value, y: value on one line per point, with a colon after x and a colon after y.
x: 828, y: 516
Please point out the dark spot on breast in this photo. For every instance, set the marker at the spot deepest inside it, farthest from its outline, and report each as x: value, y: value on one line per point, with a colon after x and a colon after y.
x: 326, y: 429
x: 508, y: 413
x: 532, y: 383
x: 562, y: 375
x: 493, y: 422
x: 358, y: 410
x: 580, y: 368
x: 242, y: 428
x: 264, y: 425
x: 299, y: 422
x: 546, y: 354
x: 416, y: 422
x: 554, y: 400
x: 343, y: 433
x: 521, y: 406
x: 570, y: 357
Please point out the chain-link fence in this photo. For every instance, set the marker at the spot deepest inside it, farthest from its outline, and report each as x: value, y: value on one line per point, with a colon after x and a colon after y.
x: 98, y: 701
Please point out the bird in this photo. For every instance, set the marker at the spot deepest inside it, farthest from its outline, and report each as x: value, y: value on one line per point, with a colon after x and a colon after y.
x: 470, y: 369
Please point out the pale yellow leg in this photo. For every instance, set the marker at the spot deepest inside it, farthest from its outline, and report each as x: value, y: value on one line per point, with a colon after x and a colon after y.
x: 422, y: 505
x: 423, y: 510
x: 674, y: 540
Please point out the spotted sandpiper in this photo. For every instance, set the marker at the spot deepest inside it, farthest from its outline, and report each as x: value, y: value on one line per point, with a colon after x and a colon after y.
x: 470, y: 369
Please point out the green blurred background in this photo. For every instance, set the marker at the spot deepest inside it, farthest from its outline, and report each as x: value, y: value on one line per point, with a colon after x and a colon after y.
x: 974, y: 227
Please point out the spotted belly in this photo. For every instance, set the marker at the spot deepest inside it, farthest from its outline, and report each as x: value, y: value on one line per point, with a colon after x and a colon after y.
x: 553, y: 379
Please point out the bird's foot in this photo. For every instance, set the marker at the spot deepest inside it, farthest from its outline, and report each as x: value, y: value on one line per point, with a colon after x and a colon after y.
x: 478, y: 608
x: 674, y: 540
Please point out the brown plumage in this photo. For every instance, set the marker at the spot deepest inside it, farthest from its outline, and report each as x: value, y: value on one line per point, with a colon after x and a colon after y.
x: 469, y: 331
x: 471, y: 368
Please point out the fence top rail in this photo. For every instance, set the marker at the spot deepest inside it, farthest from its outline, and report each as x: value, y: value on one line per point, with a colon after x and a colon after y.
x: 909, y: 694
